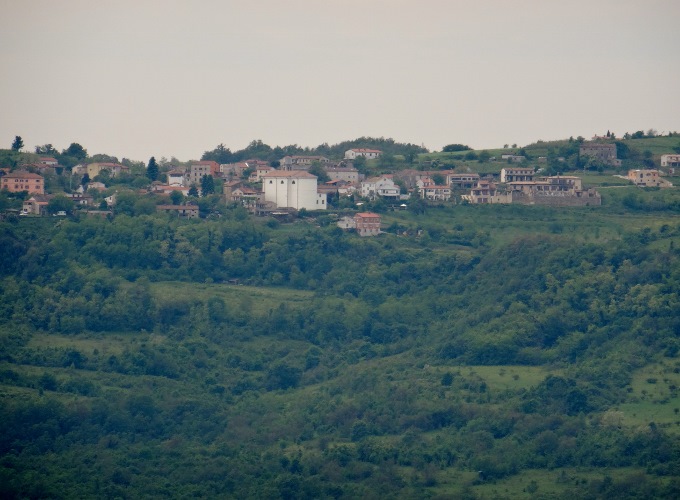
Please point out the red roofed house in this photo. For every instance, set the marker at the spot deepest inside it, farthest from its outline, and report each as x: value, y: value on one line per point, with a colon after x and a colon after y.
x: 367, y: 223
x: 369, y: 154
x: 16, y: 182
x: 48, y: 160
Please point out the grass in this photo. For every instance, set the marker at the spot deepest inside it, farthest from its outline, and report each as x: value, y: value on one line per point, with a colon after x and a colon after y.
x: 257, y: 299
x: 551, y: 484
x: 654, y: 397
x: 657, y: 145
x: 512, y: 378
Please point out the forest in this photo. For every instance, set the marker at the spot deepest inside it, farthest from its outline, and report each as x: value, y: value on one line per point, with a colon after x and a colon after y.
x: 468, y: 352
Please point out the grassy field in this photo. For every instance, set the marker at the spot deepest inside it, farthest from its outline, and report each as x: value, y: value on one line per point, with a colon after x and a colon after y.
x: 257, y: 299
x: 654, y: 397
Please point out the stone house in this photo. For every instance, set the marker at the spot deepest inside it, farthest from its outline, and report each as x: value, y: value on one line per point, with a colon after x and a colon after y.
x: 602, y: 151
x: 182, y: 211
x: 200, y: 168
x: 486, y: 192
x: 647, y: 178
x: 36, y: 204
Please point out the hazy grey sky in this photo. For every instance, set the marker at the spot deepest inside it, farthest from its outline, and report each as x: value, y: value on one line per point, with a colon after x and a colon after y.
x: 136, y: 78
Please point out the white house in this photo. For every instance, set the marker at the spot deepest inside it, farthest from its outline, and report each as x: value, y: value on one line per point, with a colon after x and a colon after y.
x: 293, y: 189
x: 431, y: 191
x: 176, y: 178
x: 670, y: 160
x: 382, y: 186
x: 369, y: 154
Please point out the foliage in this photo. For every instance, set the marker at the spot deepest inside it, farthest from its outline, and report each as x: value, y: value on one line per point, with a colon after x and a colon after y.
x: 452, y: 148
x: 17, y: 144
x: 207, y: 185
x: 149, y: 356
x: 60, y: 203
x: 152, y: 169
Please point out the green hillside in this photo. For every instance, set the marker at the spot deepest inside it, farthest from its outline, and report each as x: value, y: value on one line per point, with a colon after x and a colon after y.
x: 492, y: 351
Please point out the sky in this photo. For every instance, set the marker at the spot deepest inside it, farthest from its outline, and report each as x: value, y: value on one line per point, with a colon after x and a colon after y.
x: 142, y: 78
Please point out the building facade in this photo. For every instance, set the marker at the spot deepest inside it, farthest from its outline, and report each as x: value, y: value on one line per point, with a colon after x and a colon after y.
x: 367, y: 223
x: 293, y: 189
x: 517, y: 174
x: 602, y: 151
x: 382, y: 186
x: 369, y: 154
x: 672, y: 161
x: 16, y: 182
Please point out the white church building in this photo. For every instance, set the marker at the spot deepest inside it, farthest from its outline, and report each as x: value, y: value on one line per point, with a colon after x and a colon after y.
x: 293, y: 189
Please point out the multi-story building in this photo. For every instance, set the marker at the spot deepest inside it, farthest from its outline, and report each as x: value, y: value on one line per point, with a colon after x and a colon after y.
x: 602, y: 151
x: 301, y: 162
x: 200, y: 168
x: 369, y: 154
x: 349, y: 174
x: 486, y: 192
x: 465, y: 180
x: 431, y: 191
x: 18, y: 181
x: 670, y: 161
x: 293, y: 189
x: 517, y: 174
x: 114, y: 169
x: 382, y: 186
x: 367, y: 223
x: 647, y: 178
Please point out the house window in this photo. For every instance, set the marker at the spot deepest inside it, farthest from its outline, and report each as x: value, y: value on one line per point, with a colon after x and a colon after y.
x: 281, y: 182
x: 271, y: 182
x: 293, y: 182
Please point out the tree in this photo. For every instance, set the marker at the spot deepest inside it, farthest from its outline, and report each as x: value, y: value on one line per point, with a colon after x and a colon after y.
x: 46, y: 149
x: 85, y: 180
x: 360, y: 164
x: 152, y: 169
x: 439, y: 179
x: 221, y: 154
x: 484, y: 156
x: 176, y: 197
x: 59, y: 203
x: 193, y: 191
x: 76, y: 151
x: 318, y: 170
x: 452, y: 148
x: 17, y: 144
x: 207, y: 185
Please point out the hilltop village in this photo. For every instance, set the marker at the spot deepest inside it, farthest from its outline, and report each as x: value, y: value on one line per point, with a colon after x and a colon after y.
x: 363, y: 178
x: 361, y: 320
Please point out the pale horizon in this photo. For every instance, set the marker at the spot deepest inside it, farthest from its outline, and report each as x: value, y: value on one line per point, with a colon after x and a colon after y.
x: 177, y: 78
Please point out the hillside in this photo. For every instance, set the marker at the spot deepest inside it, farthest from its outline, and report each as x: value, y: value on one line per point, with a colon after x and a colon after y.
x: 497, y: 351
